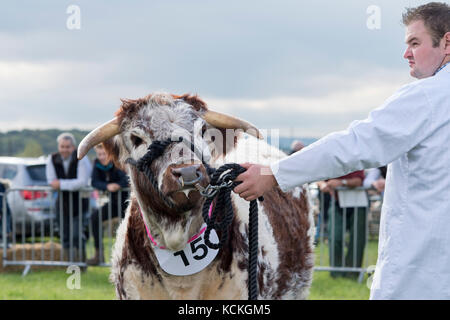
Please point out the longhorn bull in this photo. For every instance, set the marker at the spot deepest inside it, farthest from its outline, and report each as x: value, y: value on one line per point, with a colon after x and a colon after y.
x: 162, y: 229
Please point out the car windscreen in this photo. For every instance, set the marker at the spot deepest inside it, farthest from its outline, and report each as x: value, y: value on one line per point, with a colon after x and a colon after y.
x: 37, y: 173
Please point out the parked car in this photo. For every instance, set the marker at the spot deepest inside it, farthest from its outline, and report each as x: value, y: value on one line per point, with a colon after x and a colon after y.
x: 27, y: 206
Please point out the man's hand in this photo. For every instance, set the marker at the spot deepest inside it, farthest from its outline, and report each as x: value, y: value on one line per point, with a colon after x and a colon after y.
x: 327, y: 187
x: 112, y: 187
x: 256, y: 181
x: 55, y: 184
x: 323, y: 187
x: 334, y: 183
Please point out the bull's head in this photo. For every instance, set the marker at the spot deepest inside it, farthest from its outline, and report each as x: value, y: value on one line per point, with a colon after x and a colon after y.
x: 170, y: 204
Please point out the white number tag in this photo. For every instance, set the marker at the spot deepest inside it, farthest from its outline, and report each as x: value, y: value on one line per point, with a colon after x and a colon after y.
x: 195, y: 257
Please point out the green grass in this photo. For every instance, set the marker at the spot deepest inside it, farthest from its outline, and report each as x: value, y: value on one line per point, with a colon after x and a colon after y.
x: 370, y: 254
x: 52, y: 284
x: 324, y: 287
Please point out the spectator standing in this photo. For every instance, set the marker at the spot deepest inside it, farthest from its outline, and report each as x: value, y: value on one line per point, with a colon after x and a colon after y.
x: 376, y: 179
x: 4, y: 186
x: 66, y: 174
x: 296, y: 145
x: 336, y: 231
x: 106, y: 177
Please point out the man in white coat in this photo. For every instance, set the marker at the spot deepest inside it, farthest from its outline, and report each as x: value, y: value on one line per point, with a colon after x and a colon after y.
x: 411, y: 133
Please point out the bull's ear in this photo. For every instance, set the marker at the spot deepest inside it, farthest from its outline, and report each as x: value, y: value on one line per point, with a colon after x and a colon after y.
x: 112, y: 150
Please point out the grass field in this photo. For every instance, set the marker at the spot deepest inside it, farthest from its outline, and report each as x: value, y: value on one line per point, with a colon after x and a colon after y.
x: 94, y: 285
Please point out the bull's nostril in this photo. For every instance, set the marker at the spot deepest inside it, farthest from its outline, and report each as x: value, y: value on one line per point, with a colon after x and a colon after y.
x: 176, y: 172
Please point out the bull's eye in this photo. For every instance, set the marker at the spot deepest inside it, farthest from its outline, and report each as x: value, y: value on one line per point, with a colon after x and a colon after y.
x: 136, y: 141
x: 203, y: 130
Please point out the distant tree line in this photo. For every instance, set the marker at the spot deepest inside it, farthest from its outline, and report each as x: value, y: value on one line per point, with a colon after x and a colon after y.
x: 33, y: 143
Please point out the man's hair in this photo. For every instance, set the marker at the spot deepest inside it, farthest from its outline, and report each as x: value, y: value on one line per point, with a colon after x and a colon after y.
x: 435, y: 16
x: 99, y: 147
x: 66, y: 136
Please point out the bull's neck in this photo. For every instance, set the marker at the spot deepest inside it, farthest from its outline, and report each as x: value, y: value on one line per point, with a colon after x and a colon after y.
x: 192, y: 220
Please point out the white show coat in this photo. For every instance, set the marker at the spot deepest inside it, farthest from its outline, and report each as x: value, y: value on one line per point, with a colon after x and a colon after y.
x: 411, y: 132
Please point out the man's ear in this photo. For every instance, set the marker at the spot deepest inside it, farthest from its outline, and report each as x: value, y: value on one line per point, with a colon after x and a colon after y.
x: 447, y: 43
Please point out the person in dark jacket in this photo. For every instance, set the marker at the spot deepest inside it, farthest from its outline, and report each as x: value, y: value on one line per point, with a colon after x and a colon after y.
x: 106, y: 177
x: 4, y: 185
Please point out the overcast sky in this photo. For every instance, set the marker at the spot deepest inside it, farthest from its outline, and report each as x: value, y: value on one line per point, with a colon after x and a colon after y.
x: 313, y: 66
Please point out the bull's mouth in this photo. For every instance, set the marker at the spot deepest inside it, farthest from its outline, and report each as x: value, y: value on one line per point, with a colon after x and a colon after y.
x: 183, y: 195
x: 183, y: 189
x: 186, y: 195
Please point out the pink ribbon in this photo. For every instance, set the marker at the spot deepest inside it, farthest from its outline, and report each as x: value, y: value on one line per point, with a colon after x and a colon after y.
x: 190, y: 240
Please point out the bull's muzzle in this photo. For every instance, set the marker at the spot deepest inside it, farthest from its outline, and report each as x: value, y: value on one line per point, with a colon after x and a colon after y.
x: 188, y: 176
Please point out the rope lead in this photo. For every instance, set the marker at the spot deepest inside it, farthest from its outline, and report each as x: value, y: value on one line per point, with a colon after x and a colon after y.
x: 222, y: 179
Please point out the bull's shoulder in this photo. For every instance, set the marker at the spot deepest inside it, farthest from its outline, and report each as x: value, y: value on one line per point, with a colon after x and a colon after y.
x: 292, y: 205
x: 290, y: 217
x: 289, y: 214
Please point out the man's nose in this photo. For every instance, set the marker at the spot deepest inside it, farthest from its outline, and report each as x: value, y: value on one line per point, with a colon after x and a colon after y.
x: 407, y: 53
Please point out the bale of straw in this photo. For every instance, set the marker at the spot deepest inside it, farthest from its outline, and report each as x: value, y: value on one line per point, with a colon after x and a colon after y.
x: 28, y: 251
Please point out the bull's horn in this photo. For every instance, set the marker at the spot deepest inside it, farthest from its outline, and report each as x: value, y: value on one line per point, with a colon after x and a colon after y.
x: 225, y: 121
x: 98, y: 135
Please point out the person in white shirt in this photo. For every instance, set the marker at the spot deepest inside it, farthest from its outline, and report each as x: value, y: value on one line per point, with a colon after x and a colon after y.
x: 375, y: 179
x: 66, y: 174
x: 411, y: 133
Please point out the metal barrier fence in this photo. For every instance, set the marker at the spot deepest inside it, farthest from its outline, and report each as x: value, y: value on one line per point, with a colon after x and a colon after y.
x: 47, y: 229
x: 342, y: 230
x: 43, y: 227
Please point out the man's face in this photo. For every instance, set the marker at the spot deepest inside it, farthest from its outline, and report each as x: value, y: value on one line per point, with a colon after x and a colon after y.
x: 423, y: 59
x: 65, y: 148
